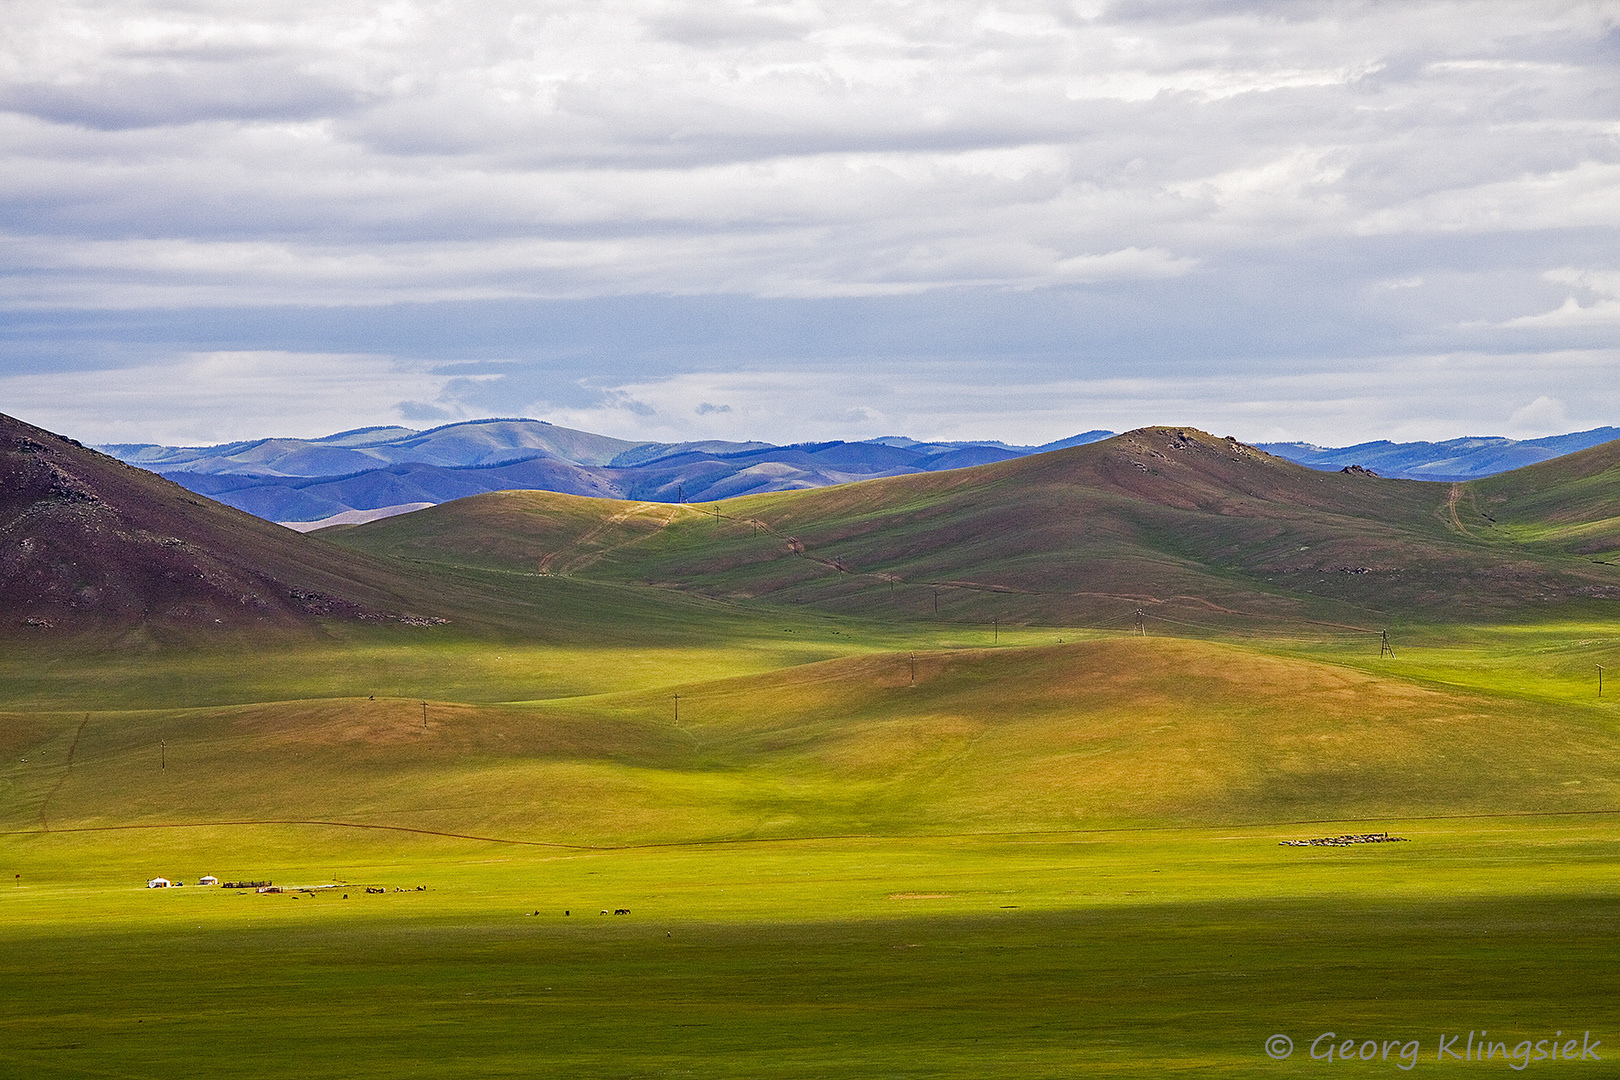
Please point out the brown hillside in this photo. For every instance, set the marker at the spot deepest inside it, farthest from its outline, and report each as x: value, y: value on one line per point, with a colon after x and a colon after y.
x: 1176, y: 522
x: 89, y: 544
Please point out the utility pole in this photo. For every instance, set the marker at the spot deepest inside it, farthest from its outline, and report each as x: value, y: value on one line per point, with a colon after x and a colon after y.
x: 1141, y: 623
x: 677, y: 710
x: 424, y: 716
x: 995, y: 631
x: 913, y: 669
x: 1383, y: 648
x: 163, y: 755
x: 936, y: 603
x: 1600, y: 680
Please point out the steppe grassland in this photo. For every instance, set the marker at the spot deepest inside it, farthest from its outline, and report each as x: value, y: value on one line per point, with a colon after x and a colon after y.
x: 1140, y: 953
x: 1553, y: 662
x: 1155, y: 950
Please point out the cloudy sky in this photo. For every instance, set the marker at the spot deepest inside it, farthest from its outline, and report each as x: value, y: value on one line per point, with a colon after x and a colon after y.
x: 1317, y: 220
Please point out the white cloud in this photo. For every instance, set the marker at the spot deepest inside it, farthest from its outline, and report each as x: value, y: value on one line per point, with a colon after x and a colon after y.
x: 1585, y: 196
x: 1543, y: 416
x: 214, y: 154
x: 206, y: 398
x: 1430, y: 397
x: 1571, y: 313
x: 1604, y: 311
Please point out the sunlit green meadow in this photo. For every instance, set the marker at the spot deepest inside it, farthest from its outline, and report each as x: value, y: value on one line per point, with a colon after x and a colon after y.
x: 847, y: 849
x: 1137, y: 953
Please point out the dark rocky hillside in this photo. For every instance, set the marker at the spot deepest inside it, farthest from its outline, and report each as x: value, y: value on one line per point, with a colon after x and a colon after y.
x: 91, y: 544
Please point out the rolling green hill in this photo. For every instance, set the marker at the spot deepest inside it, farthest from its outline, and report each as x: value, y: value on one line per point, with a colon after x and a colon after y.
x: 1190, y: 529
x: 1110, y: 732
x: 1570, y: 504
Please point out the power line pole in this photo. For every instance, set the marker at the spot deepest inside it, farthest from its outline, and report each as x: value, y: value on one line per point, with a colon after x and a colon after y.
x: 677, y: 710
x: 1141, y: 623
x: 163, y: 752
x: 1383, y: 647
x: 1600, y: 680
x: 424, y: 716
x: 995, y: 631
x: 913, y: 669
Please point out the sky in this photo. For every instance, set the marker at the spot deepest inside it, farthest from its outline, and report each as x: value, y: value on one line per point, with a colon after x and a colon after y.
x: 660, y: 219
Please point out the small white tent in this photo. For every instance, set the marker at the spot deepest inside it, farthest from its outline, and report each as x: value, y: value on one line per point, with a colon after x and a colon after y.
x: 158, y: 883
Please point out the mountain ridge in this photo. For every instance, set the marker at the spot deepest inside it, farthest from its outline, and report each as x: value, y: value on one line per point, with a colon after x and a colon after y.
x: 1169, y: 523
x: 1166, y: 524
x: 307, y: 481
x: 1468, y: 458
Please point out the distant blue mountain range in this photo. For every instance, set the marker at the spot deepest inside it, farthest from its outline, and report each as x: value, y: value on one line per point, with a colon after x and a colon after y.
x: 352, y: 475
x: 372, y: 472
x: 1455, y: 459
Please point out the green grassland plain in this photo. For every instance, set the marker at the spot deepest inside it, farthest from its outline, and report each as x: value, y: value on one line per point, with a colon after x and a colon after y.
x: 862, y: 850
x: 856, y: 834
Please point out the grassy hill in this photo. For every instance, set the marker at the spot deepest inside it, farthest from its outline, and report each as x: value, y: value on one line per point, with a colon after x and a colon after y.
x: 1108, y: 732
x: 1190, y: 529
x: 100, y: 554
x: 1570, y: 504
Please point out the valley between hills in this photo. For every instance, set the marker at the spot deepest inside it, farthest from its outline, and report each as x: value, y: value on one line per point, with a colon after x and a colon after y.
x: 970, y: 772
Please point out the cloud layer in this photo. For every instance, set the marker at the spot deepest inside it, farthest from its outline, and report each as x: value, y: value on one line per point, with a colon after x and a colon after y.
x: 1243, y: 189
